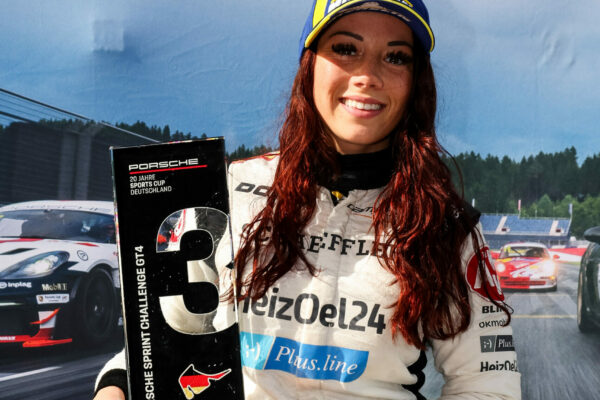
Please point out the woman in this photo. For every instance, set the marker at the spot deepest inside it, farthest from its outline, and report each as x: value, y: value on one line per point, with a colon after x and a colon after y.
x: 361, y: 253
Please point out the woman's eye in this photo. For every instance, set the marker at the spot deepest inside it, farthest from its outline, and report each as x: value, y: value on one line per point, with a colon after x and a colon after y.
x: 344, y: 49
x: 398, y: 58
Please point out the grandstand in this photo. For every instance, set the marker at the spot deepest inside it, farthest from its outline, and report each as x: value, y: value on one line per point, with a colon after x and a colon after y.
x: 499, y: 229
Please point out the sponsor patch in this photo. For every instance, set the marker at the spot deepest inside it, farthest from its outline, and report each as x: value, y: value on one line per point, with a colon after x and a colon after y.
x: 246, y: 187
x: 493, y: 323
x: 15, y: 285
x: 52, y: 298
x: 53, y: 287
x: 360, y: 210
x: 496, y: 343
x: 301, y: 359
x: 308, y: 309
x: 499, y: 366
x: 491, y: 283
x: 490, y: 309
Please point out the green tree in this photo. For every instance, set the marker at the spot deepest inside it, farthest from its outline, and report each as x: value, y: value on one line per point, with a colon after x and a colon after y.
x: 586, y: 214
x: 589, y: 180
x: 166, y: 134
x: 545, y: 207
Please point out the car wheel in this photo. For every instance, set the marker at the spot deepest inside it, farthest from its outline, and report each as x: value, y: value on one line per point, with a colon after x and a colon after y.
x: 95, y: 317
x: 584, y: 319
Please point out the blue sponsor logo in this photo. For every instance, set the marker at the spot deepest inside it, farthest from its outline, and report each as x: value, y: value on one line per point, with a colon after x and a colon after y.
x: 303, y: 360
x: 255, y: 349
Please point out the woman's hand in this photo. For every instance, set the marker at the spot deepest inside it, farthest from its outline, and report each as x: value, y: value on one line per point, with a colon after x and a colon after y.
x: 110, y: 393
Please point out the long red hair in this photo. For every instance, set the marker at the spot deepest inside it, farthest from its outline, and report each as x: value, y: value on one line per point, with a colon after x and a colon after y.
x: 419, y: 206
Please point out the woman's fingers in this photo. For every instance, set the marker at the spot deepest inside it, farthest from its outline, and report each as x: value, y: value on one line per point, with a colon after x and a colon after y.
x: 110, y: 393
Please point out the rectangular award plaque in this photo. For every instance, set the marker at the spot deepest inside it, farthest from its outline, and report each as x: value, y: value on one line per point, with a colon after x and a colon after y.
x: 172, y: 208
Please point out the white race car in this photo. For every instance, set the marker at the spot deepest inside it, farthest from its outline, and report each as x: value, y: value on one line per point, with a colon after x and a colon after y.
x: 59, y: 276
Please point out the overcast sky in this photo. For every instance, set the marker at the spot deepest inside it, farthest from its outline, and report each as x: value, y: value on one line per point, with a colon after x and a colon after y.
x: 515, y: 77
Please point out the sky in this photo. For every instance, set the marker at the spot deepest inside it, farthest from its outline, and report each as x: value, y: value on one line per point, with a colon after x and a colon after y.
x: 514, y: 77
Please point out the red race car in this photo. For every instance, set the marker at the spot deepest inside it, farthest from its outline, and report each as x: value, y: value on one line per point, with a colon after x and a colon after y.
x: 526, y: 266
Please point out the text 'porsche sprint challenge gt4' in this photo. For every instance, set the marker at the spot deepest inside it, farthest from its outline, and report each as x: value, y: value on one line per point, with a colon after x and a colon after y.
x: 526, y: 266
x: 59, y: 277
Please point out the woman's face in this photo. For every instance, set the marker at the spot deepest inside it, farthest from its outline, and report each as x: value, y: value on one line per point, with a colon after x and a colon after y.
x: 362, y: 79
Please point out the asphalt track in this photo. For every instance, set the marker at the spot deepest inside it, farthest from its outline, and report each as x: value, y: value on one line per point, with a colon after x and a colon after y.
x: 556, y: 361
x: 65, y: 372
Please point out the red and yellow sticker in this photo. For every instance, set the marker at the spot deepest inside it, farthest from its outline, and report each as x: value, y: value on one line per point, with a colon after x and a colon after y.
x: 491, y: 281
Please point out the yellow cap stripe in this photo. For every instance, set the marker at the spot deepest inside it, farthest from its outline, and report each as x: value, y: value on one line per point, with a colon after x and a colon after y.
x: 319, y: 24
x: 425, y: 24
x: 320, y: 6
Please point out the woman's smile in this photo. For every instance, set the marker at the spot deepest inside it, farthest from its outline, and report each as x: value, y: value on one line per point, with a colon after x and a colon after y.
x: 360, y: 107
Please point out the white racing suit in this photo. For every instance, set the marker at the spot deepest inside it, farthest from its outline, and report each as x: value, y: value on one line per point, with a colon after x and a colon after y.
x: 328, y: 336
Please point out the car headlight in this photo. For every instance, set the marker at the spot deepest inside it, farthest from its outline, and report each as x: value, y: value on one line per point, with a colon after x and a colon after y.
x: 543, y: 269
x: 500, y: 267
x: 548, y: 267
x: 40, y: 265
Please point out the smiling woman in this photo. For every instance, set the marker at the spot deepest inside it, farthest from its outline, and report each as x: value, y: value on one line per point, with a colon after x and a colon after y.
x: 360, y: 253
x: 365, y: 74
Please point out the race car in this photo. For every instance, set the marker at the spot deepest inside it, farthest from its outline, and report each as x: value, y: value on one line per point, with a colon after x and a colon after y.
x: 588, y: 290
x: 526, y: 265
x: 59, y: 277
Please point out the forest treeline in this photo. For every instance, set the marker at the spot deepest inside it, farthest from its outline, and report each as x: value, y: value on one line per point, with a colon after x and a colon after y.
x: 164, y: 135
x: 547, y: 184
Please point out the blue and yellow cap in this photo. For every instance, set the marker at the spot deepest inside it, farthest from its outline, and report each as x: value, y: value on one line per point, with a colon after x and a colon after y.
x: 412, y: 12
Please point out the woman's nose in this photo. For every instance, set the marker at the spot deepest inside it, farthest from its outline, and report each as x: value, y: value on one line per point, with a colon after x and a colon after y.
x: 368, y: 74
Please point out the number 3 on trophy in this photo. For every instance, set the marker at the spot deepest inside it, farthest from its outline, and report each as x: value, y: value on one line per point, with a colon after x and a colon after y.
x: 173, y: 308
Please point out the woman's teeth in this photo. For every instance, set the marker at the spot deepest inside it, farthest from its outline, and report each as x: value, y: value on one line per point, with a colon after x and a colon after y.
x: 362, y: 106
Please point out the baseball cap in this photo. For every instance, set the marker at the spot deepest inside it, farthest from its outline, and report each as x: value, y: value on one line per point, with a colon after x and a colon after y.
x: 324, y: 12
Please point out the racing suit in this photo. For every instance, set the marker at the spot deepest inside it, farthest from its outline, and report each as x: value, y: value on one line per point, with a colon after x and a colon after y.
x: 328, y: 336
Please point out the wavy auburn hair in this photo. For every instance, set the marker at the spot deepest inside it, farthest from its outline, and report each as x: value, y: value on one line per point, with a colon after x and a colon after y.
x: 418, y: 218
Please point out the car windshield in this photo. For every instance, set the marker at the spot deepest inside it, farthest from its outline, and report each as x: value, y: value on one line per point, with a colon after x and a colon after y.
x: 524, y: 251
x: 58, y: 224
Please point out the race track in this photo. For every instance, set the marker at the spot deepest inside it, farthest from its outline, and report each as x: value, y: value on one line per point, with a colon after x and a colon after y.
x: 63, y: 372
x: 556, y: 361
